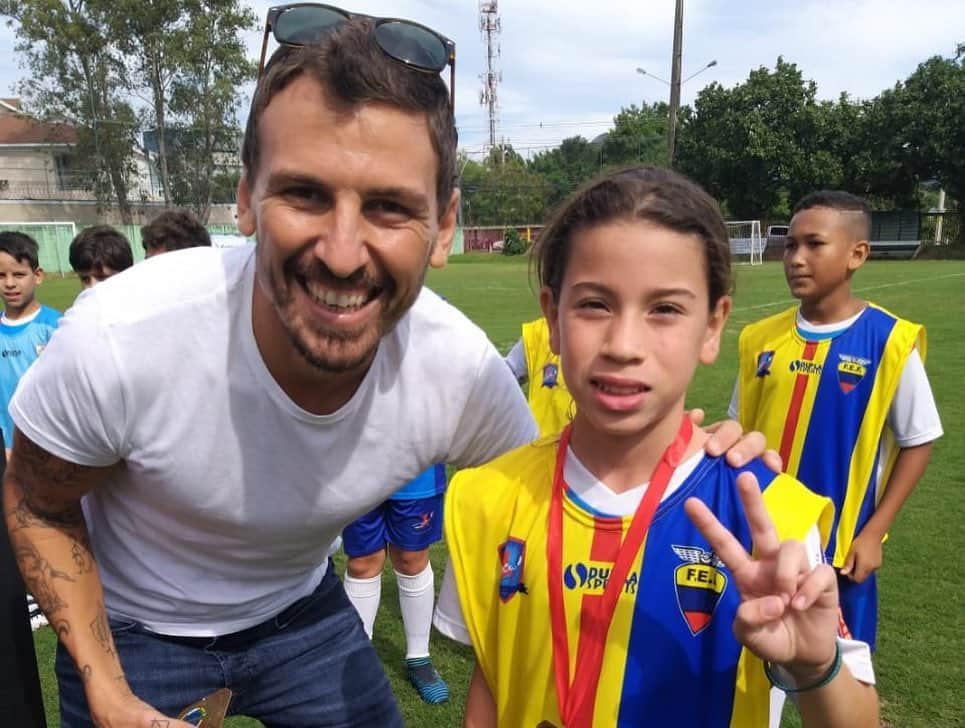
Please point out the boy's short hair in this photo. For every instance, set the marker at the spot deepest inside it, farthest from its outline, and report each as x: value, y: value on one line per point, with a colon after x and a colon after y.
x: 654, y: 194
x: 843, y: 202
x: 21, y: 247
x: 174, y: 230
x: 100, y: 247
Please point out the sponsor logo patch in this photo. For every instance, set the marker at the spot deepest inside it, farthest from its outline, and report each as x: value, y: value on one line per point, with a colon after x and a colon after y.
x: 592, y: 577
x: 551, y: 375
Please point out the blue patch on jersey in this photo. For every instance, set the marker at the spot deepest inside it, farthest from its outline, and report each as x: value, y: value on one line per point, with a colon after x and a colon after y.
x: 764, y: 361
x: 512, y: 556
x: 551, y: 374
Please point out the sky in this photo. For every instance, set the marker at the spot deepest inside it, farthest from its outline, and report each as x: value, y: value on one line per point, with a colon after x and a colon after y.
x: 569, y: 66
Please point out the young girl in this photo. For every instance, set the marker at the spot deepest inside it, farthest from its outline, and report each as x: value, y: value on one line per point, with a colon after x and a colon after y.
x: 603, y: 577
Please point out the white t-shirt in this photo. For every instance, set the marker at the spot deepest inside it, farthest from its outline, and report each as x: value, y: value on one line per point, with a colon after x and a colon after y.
x: 229, y: 494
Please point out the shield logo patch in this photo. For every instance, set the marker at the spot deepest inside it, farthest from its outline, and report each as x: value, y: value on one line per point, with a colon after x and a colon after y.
x: 699, y: 584
x: 850, y: 374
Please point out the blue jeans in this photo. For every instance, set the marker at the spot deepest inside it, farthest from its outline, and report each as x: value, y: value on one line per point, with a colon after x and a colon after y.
x: 308, y: 667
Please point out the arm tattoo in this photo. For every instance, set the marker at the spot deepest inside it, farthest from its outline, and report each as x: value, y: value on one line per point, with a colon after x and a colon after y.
x: 101, y: 629
x: 83, y: 560
x: 33, y: 459
x: 39, y: 575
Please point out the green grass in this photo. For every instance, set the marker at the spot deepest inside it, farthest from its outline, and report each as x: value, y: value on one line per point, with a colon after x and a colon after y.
x: 919, y: 665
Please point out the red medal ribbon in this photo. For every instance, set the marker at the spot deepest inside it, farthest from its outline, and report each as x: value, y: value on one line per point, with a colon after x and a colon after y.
x: 576, y: 700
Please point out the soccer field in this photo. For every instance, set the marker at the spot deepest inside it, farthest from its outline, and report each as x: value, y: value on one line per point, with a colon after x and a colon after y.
x: 922, y: 628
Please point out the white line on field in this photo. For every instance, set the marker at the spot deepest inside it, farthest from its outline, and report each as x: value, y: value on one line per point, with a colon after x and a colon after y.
x: 790, y: 301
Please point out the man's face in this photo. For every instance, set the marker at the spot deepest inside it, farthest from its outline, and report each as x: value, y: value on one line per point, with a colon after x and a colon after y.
x: 344, y: 206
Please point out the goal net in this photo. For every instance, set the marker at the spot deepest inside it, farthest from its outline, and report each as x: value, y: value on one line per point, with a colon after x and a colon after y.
x: 746, y: 244
x: 53, y: 239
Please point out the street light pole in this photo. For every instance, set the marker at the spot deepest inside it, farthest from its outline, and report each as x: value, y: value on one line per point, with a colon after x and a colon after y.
x: 678, y: 32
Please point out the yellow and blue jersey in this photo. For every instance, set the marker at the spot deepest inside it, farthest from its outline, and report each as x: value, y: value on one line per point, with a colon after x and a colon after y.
x: 670, y: 657
x: 824, y: 404
x: 20, y: 345
x: 549, y: 399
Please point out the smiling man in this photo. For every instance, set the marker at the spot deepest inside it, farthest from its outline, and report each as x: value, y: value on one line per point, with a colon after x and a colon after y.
x: 203, y: 427
x: 302, y: 382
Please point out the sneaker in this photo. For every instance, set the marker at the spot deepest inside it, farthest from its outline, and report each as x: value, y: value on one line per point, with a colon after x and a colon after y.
x: 37, y: 618
x: 424, y: 678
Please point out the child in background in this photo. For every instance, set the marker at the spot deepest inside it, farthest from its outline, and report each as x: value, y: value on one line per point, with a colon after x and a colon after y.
x: 99, y: 252
x: 26, y: 326
x: 406, y: 526
x: 605, y: 579
x: 839, y: 385
x: 532, y: 359
x: 173, y: 230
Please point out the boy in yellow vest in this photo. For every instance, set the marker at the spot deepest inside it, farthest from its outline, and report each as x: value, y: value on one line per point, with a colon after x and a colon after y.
x: 838, y: 384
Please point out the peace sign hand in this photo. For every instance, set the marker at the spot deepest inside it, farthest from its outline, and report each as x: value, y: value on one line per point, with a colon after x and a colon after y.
x: 789, y: 611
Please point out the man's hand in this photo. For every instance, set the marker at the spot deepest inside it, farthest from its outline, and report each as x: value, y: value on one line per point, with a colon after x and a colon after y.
x: 864, y: 558
x: 789, y: 612
x: 728, y: 437
x: 132, y: 712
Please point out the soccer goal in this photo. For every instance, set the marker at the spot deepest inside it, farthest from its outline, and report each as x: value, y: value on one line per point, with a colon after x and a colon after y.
x: 53, y: 239
x: 746, y: 243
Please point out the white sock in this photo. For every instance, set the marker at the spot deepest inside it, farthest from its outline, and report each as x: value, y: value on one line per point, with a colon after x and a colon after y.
x: 365, y: 595
x: 416, y: 599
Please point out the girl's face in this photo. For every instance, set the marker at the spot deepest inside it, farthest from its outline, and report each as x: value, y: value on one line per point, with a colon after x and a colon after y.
x: 632, y: 321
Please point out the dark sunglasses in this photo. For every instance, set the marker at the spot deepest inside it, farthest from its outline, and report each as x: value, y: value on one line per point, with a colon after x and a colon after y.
x: 414, y: 45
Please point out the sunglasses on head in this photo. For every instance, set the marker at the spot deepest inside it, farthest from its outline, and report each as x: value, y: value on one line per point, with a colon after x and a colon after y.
x: 415, y: 45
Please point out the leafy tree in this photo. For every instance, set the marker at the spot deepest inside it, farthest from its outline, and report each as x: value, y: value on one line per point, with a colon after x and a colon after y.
x: 639, y: 136
x: 566, y: 167
x: 75, y: 76
x: 214, y: 66
x: 744, y: 144
x: 150, y: 38
x: 501, y: 190
x: 933, y: 124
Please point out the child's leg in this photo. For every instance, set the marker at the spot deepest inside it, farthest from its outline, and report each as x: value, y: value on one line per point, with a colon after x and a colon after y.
x: 413, y: 526
x: 364, y: 543
x: 859, y: 607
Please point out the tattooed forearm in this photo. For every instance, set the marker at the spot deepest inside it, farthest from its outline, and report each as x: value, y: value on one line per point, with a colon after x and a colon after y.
x: 83, y: 561
x: 39, y: 575
x: 101, y: 630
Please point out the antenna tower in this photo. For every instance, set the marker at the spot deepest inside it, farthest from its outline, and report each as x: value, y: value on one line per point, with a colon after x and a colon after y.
x: 490, y: 26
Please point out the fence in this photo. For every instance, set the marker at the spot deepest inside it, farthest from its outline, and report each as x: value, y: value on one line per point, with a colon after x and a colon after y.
x: 53, y: 239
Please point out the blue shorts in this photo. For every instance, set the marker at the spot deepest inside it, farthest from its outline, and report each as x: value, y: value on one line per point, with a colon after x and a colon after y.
x: 859, y: 607
x: 410, y: 525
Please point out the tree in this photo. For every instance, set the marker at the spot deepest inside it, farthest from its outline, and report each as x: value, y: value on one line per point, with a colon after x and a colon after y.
x: 933, y: 124
x: 214, y: 66
x: 566, y: 167
x: 638, y: 136
x: 744, y: 144
x: 501, y: 190
x: 75, y: 76
x: 150, y: 38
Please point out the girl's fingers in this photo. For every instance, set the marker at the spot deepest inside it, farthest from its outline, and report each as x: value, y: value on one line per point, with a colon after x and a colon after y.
x: 763, y: 533
x: 822, y: 582
x: 722, y: 541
